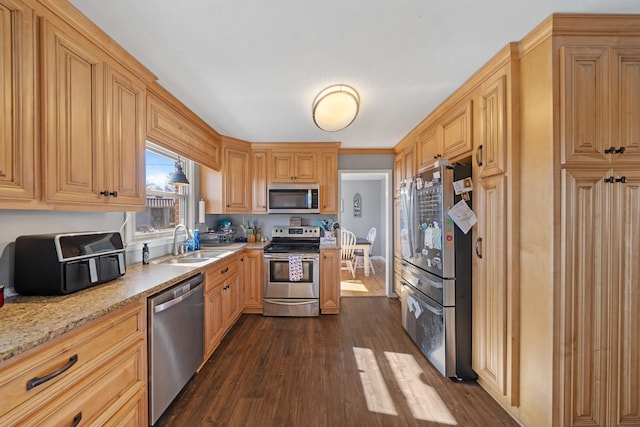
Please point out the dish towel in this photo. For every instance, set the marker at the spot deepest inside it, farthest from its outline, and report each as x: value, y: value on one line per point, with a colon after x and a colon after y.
x: 295, y: 268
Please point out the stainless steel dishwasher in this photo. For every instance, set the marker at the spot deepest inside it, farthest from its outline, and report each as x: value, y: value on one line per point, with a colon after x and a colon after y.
x: 176, y: 341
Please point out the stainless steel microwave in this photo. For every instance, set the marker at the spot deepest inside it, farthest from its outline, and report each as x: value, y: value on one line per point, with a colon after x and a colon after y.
x: 293, y: 198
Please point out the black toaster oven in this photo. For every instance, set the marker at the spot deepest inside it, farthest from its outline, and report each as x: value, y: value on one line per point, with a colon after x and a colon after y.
x: 55, y: 264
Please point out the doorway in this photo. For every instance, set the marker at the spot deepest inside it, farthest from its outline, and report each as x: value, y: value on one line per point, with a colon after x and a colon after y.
x: 366, y: 202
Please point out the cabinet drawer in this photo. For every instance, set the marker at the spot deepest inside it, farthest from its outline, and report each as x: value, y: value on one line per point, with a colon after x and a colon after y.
x: 99, y: 396
x: 73, y: 358
x: 221, y: 271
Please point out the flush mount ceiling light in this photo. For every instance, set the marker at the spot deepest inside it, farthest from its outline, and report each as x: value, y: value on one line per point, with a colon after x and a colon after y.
x: 335, y: 107
x: 178, y: 177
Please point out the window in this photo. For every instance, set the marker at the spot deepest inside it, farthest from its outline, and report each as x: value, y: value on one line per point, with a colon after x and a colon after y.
x: 167, y: 205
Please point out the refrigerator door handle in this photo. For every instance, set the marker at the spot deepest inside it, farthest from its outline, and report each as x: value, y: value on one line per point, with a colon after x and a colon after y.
x: 479, y: 247
x: 432, y: 308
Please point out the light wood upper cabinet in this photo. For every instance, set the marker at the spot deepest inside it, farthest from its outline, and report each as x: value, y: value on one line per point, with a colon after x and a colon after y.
x: 228, y: 190
x: 125, y: 137
x: 19, y: 169
x: 600, y: 118
x: 330, y: 281
x: 492, y: 127
x: 259, y: 176
x: 237, y: 189
x: 73, y: 115
x: 329, y: 182
x: 294, y: 167
x: 170, y: 125
x: 456, y: 131
x: 94, y: 126
x: 429, y: 147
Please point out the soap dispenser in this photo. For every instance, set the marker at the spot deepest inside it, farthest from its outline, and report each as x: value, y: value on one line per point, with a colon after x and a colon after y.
x: 145, y: 253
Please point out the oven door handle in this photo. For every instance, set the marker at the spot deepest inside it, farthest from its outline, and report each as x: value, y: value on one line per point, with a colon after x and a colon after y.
x: 289, y: 303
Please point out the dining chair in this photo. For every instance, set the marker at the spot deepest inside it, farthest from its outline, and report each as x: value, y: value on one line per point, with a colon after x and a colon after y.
x: 347, y: 246
x: 358, y: 254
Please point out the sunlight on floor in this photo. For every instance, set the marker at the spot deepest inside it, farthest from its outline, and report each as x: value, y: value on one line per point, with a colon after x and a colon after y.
x: 423, y: 400
x: 375, y: 390
x: 353, y: 286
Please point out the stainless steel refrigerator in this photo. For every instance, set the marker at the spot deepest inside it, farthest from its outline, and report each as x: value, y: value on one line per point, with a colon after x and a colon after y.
x: 436, y: 268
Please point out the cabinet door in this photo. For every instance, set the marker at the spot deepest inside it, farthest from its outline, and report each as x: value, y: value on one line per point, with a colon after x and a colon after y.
x: 584, y: 103
x: 586, y: 296
x: 282, y: 167
x: 252, y: 281
x: 492, y: 128
x: 409, y: 159
x: 329, y: 282
x: 259, y: 174
x: 398, y: 173
x: 306, y: 166
x: 329, y: 183
x: 73, y: 81
x: 214, y: 320
x: 125, y: 138
x: 19, y: 170
x: 625, y: 104
x: 430, y: 148
x: 456, y: 131
x: 625, y: 328
x: 490, y: 315
x: 237, y: 188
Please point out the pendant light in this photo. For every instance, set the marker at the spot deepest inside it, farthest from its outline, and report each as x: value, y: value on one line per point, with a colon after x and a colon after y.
x: 178, y: 177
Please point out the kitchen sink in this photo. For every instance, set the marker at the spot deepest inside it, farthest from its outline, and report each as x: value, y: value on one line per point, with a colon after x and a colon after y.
x: 186, y: 260
x: 196, y: 259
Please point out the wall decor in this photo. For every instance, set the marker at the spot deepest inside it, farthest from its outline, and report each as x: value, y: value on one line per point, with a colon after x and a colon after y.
x: 357, y: 206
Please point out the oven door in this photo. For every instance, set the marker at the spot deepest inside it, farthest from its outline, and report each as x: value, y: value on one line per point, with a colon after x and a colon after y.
x: 283, y: 281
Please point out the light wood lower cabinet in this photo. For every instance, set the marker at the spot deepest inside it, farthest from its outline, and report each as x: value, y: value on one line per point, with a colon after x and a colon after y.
x: 600, y: 298
x: 250, y: 268
x: 102, y: 376
x: 222, y: 301
x: 329, y: 281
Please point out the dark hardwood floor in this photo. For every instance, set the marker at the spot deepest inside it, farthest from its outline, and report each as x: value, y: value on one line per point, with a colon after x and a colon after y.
x: 358, y: 368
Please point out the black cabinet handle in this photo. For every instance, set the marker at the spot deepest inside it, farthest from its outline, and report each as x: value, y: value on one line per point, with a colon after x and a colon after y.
x: 76, y: 419
x: 622, y: 179
x: 437, y: 156
x: 610, y: 180
x: 478, y: 157
x: 610, y: 150
x: 224, y: 270
x: 34, y: 382
x: 619, y: 150
x: 479, y: 247
x: 105, y: 193
x: 114, y: 194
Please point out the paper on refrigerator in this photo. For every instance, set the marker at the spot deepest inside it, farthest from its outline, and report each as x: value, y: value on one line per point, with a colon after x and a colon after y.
x: 463, y: 216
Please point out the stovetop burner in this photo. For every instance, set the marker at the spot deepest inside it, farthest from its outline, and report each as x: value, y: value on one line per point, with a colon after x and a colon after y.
x: 303, y: 239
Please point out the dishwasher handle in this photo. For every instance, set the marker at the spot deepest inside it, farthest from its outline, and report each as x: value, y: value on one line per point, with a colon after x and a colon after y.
x: 181, y: 292
x: 167, y: 305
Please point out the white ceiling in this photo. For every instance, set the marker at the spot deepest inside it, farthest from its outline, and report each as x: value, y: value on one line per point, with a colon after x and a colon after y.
x: 251, y: 69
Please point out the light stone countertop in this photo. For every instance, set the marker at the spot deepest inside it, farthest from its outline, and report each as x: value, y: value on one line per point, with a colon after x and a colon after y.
x: 28, y: 321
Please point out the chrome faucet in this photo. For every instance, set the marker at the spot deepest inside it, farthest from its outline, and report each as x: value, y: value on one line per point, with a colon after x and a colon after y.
x: 175, y: 235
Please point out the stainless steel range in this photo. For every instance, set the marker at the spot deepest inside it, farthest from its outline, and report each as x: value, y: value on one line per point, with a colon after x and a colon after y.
x: 292, y: 272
